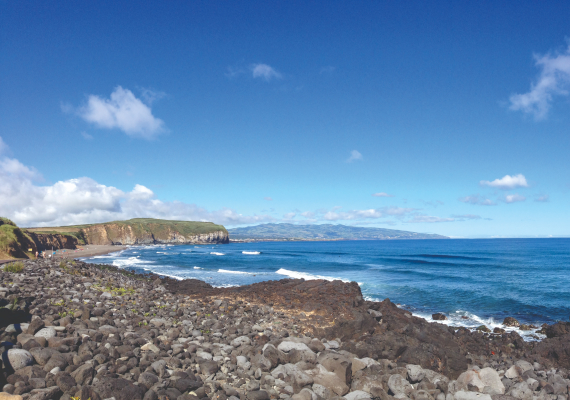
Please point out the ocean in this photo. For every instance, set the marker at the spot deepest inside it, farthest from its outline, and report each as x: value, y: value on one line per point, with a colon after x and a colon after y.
x: 473, y: 282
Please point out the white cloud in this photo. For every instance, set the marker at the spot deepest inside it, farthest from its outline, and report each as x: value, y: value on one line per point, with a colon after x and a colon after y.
x: 264, y: 71
x: 428, y: 219
x: 478, y: 200
x: 150, y: 96
x: 382, y: 194
x: 372, y: 213
x: 290, y: 215
x: 543, y: 199
x: 268, y: 198
x: 308, y: 214
x: 86, y: 136
x: 514, y: 198
x: 467, y: 216
x: 507, y: 182
x: 554, y: 79
x: 83, y: 200
x: 354, y: 156
x: 122, y: 111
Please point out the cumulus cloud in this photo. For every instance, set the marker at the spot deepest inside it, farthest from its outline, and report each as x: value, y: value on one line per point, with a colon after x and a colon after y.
x: 507, y: 182
x: 553, y: 80
x: 289, y: 215
x: 83, y: 200
x: 124, y: 111
x: 354, y: 156
x: 542, y: 199
x: 382, y: 194
x: 514, y: 198
x: 478, y: 200
x: 264, y: 71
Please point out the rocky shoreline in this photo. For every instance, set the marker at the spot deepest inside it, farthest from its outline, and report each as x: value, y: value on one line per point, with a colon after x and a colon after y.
x: 70, y: 329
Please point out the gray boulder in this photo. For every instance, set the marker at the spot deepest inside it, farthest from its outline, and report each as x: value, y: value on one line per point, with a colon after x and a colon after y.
x: 20, y: 358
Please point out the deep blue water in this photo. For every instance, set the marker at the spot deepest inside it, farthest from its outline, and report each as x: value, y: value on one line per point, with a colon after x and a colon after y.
x: 484, y: 280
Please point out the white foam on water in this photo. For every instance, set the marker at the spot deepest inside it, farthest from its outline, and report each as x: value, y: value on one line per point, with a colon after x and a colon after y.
x: 178, y: 278
x: 198, y: 268
x: 225, y: 271
x: 131, y: 261
x: 471, y: 321
x: 217, y: 254
x: 161, y: 252
x: 224, y: 285
x: 251, y: 252
x: 306, y: 276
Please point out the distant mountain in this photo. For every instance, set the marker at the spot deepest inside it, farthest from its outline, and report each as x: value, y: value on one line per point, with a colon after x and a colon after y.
x: 323, y: 232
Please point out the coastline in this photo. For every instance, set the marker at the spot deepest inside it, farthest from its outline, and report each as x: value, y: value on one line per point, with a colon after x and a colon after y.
x: 151, y: 336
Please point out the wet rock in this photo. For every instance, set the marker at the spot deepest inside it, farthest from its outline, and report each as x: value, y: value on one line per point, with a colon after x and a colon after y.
x: 510, y: 321
x: 438, y: 317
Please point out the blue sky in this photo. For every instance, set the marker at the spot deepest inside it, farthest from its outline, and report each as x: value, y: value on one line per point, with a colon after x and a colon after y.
x: 455, y: 114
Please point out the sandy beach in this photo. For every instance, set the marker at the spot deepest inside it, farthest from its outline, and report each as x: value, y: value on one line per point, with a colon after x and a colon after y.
x: 88, y: 251
x: 81, y: 252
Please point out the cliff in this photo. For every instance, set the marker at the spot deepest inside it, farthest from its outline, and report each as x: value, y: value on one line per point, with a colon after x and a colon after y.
x: 154, y: 231
x: 22, y: 243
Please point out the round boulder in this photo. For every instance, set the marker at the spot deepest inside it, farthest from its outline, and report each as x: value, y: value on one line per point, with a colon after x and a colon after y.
x: 438, y: 317
x: 20, y: 358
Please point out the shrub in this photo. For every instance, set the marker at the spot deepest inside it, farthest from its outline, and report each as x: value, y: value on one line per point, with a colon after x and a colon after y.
x: 16, y: 267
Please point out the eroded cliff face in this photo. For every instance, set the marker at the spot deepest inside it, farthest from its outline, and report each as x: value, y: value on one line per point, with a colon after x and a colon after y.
x: 48, y: 241
x: 121, y: 234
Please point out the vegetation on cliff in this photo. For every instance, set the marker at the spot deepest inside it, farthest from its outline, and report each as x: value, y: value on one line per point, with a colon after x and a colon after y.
x: 14, y: 243
x: 142, y: 231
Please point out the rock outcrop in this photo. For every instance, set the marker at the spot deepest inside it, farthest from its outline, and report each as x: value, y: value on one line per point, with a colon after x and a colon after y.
x: 56, y: 241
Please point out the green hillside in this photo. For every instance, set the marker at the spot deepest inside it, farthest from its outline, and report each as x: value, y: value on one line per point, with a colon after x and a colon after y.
x: 14, y: 243
x: 324, y: 232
